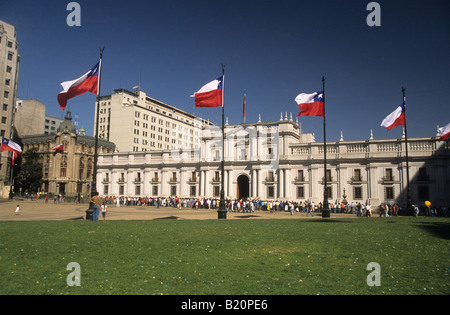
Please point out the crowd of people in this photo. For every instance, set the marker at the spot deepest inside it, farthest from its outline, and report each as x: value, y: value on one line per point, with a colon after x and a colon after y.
x: 251, y: 205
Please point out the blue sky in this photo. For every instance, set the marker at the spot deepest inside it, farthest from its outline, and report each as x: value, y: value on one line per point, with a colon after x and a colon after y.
x: 274, y: 49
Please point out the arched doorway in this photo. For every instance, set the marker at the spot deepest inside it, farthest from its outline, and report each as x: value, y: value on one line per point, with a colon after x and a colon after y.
x: 243, y: 187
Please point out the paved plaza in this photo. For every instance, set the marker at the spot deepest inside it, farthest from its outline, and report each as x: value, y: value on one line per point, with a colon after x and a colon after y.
x: 38, y: 210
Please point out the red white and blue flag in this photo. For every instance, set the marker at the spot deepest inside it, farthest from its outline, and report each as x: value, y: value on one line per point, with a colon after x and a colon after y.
x: 311, y: 104
x: 59, y: 147
x: 444, y: 132
x: 86, y: 83
x: 396, y: 118
x: 210, y: 95
x: 9, y: 145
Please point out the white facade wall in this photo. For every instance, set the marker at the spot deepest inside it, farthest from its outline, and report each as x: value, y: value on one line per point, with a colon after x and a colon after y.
x: 281, y: 163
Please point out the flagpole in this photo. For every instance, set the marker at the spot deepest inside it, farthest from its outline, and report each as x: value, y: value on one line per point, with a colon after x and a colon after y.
x: 222, y: 212
x: 90, y: 211
x: 408, y: 188
x: 325, y: 206
x: 245, y: 94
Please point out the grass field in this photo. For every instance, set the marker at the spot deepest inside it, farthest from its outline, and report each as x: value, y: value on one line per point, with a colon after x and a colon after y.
x: 255, y: 257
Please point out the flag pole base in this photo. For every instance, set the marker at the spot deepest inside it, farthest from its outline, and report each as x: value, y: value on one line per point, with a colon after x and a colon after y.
x: 222, y: 214
x: 326, y: 213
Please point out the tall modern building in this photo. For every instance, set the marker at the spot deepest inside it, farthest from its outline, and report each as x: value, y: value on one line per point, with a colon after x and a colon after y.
x: 9, y: 72
x: 51, y: 123
x: 137, y: 123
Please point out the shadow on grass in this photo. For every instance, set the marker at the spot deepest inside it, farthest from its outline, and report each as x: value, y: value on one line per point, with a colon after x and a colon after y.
x: 328, y: 220
x: 77, y: 218
x: 439, y: 229
x: 247, y: 216
x: 167, y: 218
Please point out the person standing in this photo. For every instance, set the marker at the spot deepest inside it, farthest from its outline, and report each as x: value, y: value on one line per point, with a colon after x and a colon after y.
x: 17, y: 210
x: 416, y: 210
x: 309, y: 209
x: 395, y: 208
x: 97, y: 204
x: 104, y: 209
x: 368, y: 210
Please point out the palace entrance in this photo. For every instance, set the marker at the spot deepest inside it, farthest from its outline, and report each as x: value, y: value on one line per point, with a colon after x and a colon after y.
x: 243, y: 187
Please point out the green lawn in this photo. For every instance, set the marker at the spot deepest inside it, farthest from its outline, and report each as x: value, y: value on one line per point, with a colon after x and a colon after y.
x: 315, y: 256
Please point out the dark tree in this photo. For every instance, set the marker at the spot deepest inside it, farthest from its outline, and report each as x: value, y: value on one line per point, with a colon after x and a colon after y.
x: 30, y: 175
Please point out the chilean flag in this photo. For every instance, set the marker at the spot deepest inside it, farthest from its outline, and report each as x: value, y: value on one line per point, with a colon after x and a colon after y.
x: 445, y: 132
x: 396, y: 118
x: 311, y: 104
x: 59, y: 147
x: 86, y: 83
x: 210, y: 95
x: 9, y: 145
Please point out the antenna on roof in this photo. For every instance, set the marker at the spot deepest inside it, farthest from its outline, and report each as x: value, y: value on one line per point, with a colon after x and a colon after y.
x: 138, y: 87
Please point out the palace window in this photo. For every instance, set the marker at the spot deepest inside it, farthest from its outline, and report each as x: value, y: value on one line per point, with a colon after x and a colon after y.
x: 89, y: 168
x: 328, y: 174
x: 270, y: 192
x: 422, y: 176
x: 216, y: 177
x: 388, y: 174
x: 63, y: 166
x: 193, y: 191
x: 357, y: 175
x: 300, y: 192
x: 389, y: 193
x: 81, y: 169
x: 330, y: 192
x: 423, y: 193
x: 357, y: 193
x: 300, y: 176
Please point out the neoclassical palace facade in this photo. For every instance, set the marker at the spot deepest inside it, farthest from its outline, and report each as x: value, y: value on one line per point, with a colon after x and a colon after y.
x: 277, y: 161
